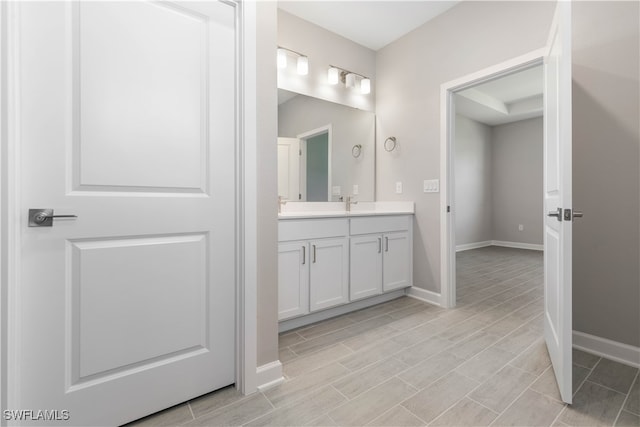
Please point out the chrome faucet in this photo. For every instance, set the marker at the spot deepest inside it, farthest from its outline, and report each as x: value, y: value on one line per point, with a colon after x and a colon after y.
x: 350, y: 202
x: 281, y: 203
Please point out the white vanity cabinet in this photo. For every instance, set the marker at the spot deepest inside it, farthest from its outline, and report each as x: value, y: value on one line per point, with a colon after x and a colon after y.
x: 313, y: 265
x: 324, y: 263
x: 293, y: 279
x: 381, y: 255
x: 329, y: 273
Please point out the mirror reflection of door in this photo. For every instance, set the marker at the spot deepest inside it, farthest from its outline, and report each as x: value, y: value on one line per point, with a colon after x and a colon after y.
x: 316, y: 168
x: 289, y: 169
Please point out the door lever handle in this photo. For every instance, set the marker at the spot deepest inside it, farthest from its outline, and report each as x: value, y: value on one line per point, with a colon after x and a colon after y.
x: 557, y: 213
x: 44, y: 217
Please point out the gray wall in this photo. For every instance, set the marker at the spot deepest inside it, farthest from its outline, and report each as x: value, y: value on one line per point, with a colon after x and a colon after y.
x: 324, y: 48
x: 498, y: 181
x: 516, y: 181
x: 467, y: 38
x: 267, y: 184
x: 349, y: 126
x: 606, y: 158
x: 473, y: 189
x: 606, y: 177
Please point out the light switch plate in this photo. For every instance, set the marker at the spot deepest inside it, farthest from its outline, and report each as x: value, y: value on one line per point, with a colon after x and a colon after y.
x: 399, y: 187
x: 431, y: 186
x: 356, y: 189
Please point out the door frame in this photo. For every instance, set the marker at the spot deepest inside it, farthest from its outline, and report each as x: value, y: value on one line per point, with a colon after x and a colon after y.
x: 447, y: 161
x: 303, y: 158
x: 245, y: 190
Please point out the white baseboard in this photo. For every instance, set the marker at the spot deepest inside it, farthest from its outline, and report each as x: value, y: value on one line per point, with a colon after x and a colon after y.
x: 475, y: 245
x: 518, y: 245
x: 612, y: 350
x: 424, y: 295
x: 269, y: 375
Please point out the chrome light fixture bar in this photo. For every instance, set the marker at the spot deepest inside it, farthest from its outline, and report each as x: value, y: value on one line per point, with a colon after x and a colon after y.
x: 349, y: 78
x: 302, y: 62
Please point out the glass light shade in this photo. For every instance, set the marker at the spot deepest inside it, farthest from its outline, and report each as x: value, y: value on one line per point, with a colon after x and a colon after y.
x: 333, y: 76
x: 303, y: 65
x: 365, y: 86
x: 350, y: 80
x: 282, y: 58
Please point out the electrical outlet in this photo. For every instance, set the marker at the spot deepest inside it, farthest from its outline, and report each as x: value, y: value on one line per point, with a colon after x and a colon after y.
x: 520, y: 227
x: 398, y: 187
x: 336, y: 190
x: 355, y: 189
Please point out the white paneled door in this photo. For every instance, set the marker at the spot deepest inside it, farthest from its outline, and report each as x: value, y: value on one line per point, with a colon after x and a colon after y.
x: 127, y: 115
x: 289, y: 169
x: 557, y: 200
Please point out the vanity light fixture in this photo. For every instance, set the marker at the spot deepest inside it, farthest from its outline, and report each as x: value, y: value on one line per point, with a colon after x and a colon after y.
x: 350, y: 79
x: 333, y: 75
x: 365, y: 86
x: 282, y: 58
x: 302, y: 63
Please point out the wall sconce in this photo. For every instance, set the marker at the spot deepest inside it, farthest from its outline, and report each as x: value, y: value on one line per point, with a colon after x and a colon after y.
x: 350, y: 79
x: 302, y: 63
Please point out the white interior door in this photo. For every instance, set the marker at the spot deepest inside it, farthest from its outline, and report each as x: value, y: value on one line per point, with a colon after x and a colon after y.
x: 289, y: 168
x: 127, y: 120
x: 557, y: 199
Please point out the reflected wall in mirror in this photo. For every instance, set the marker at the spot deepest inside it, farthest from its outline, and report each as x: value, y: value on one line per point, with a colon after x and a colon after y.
x: 317, y: 161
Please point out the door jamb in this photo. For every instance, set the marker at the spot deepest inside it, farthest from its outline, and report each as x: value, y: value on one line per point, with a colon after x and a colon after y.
x: 447, y: 135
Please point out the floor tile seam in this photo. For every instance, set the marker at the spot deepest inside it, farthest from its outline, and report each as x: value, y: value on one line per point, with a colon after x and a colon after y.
x: 366, y: 391
x: 338, y: 344
x: 273, y: 408
x: 454, y: 404
x: 243, y: 398
x: 604, y: 386
x: 394, y: 406
x: 626, y: 398
x: 193, y: 417
x: 585, y: 378
x: 468, y: 395
x: 528, y: 348
x: 341, y: 394
x: 523, y: 392
x: 505, y: 301
x: 550, y: 367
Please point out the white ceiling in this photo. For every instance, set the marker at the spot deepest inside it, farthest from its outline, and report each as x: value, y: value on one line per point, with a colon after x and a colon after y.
x: 371, y: 23
x: 508, y: 99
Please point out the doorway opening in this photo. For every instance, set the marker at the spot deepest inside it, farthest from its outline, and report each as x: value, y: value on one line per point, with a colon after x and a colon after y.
x: 315, y: 165
x: 497, y: 156
x: 486, y: 96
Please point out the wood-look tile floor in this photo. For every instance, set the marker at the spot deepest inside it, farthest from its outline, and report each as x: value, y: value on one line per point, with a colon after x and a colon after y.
x: 407, y: 363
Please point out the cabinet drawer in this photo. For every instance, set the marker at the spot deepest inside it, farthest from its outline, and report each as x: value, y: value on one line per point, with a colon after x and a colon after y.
x: 305, y: 229
x: 380, y: 224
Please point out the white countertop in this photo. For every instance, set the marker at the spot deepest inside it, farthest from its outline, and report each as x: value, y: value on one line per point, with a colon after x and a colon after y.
x: 298, y: 210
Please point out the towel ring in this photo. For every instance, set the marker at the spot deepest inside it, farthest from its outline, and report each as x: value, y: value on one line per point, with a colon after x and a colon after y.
x: 356, y: 150
x: 390, y: 144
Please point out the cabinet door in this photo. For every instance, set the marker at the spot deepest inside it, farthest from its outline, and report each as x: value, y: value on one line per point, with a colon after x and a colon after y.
x: 329, y: 275
x: 366, y: 266
x: 293, y: 279
x: 396, y: 261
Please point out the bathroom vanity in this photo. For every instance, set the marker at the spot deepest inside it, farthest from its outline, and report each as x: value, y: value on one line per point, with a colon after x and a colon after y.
x: 332, y: 261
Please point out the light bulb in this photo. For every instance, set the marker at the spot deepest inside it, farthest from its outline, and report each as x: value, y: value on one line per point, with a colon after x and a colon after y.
x: 365, y: 86
x: 282, y: 58
x: 333, y: 75
x: 350, y: 80
x: 303, y: 65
